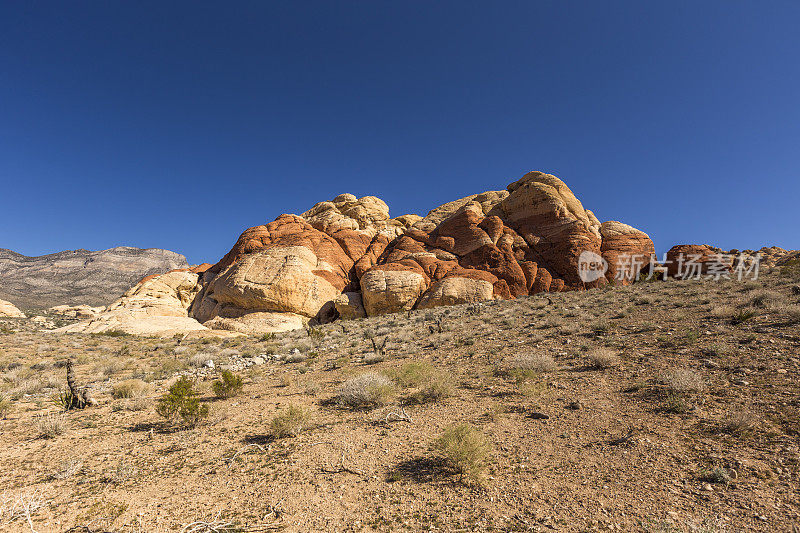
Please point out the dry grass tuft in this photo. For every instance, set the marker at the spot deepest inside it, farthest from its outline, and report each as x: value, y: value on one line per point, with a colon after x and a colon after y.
x: 50, y: 426
x: 683, y: 380
x: 131, y: 388
x: 365, y: 391
x: 739, y: 422
x: 465, y: 448
x: 603, y: 358
x: 290, y: 422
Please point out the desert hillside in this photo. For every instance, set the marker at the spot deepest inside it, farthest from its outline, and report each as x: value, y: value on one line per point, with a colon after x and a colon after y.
x: 660, y: 406
x: 79, y: 276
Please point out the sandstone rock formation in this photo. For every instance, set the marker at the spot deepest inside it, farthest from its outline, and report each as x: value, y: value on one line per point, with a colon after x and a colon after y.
x: 76, y: 311
x: 347, y: 258
x: 155, y: 306
x: 9, y: 310
x: 79, y: 277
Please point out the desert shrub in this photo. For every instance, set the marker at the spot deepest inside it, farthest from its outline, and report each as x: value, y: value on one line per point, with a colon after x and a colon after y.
x: 5, y: 406
x: 50, y: 426
x: 528, y: 366
x: 130, y: 388
x: 683, y: 381
x: 792, y: 313
x: 437, y: 389
x: 715, y: 475
x: 228, y: 386
x: 200, y: 360
x: 791, y: 269
x: 170, y: 366
x: 27, y: 386
x: 181, y: 402
x: 228, y: 352
x: 290, y: 422
x: 67, y: 468
x: 111, y: 333
x: 295, y: 357
x: 603, y: 358
x: 364, y: 391
x: 742, y: 316
x: 413, y: 374
x: 723, y: 311
x: 180, y: 350
x: 739, y: 422
x: 796, y: 290
x: 373, y: 358
x: 601, y: 328
x: 763, y: 299
x: 465, y: 448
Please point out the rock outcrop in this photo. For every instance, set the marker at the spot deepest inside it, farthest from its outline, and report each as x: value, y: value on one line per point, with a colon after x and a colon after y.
x: 76, y: 311
x: 9, y: 310
x: 347, y: 258
x: 156, y: 306
x: 79, y: 277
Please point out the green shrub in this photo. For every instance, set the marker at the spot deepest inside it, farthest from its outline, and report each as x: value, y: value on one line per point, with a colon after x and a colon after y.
x: 742, y: 316
x: 181, y: 402
x: 290, y: 423
x: 465, y: 448
x: 228, y: 386
x: 413, y: 374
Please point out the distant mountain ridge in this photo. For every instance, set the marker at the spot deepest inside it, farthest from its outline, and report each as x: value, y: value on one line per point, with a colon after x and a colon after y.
x: 79, y: 276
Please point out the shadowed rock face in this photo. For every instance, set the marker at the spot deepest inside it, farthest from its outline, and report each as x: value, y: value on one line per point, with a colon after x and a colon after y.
x: 79, y: 276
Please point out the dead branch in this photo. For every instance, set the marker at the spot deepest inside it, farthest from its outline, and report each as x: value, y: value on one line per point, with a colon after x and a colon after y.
x: 395, y: 416
x: 341, y: 468
x: 79, y: 397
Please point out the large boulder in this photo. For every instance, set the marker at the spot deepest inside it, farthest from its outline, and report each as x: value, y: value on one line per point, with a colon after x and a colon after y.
x: 693, y: 260
x: 456, y: 290
x: 9, y: 310
x: 627, y: 251
x: 156, y: 306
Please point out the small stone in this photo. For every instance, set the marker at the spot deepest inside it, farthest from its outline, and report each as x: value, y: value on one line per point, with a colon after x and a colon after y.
x: 209, y: 364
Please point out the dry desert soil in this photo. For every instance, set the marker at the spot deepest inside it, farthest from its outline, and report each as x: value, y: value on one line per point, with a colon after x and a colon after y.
x: 663, y: 406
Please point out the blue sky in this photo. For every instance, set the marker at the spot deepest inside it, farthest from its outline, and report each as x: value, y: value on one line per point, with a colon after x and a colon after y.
x: 179, y: 124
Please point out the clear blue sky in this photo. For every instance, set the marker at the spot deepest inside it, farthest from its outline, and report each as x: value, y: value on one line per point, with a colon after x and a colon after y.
x: 179, y: 124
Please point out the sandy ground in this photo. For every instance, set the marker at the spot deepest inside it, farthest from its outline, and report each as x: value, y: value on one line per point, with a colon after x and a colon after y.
x: 656, y: 407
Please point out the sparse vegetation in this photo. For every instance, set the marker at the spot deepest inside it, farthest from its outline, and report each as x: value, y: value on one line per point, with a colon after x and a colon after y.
x: 365, y: 391
x: 228, y: 386
x: 603, y: 358
x: 130, y: 388
x: 290, y: 422
x: 465, y: 448
x: 49, y: 426
x: 181, y: 402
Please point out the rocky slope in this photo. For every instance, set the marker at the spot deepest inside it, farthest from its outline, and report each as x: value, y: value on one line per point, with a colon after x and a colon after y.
x: 349, y: 258
x: 79, y: 276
